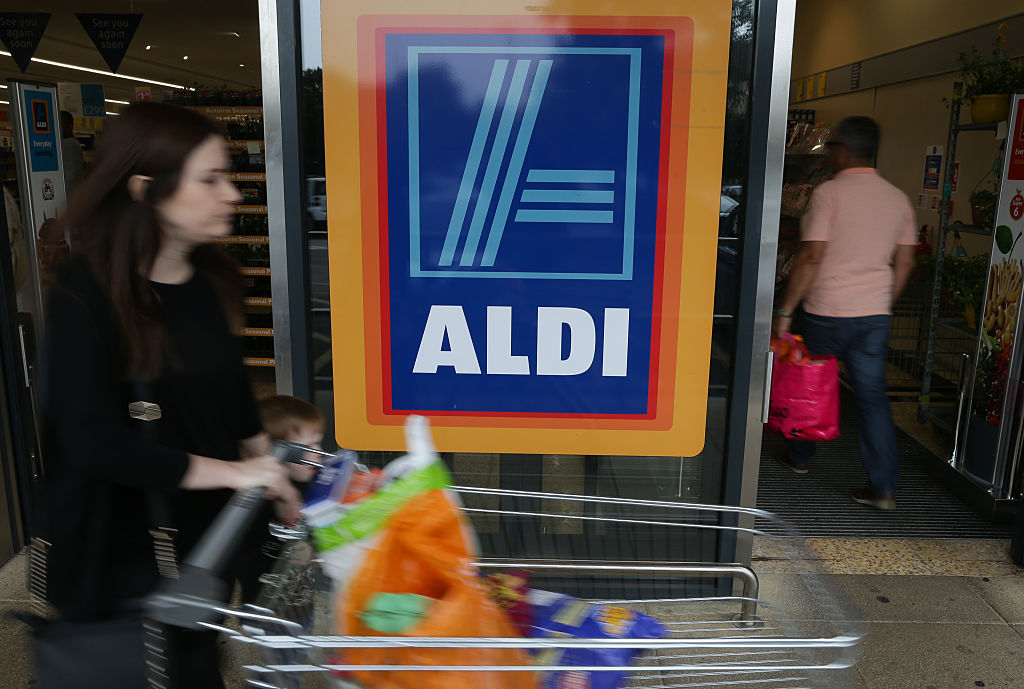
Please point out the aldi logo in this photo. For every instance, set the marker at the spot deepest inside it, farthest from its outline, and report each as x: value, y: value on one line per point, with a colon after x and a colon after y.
x: 521, y: 183
x: 40, y: 116
x: 519, y: 167
x: 550, y: 161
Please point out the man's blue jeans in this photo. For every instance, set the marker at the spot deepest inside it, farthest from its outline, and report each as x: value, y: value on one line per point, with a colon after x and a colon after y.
x: 862, y: 343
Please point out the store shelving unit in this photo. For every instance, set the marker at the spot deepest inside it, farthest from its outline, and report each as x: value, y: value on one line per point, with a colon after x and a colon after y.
x: 947, y: 344
x: 250, y: 241
x: 805, y: 167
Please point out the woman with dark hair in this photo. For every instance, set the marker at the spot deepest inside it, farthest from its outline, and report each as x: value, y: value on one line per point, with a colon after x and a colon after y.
x: 148, y: 297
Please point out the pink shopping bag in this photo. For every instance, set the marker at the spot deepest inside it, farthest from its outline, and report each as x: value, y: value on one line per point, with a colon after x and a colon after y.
x: 804, y: 402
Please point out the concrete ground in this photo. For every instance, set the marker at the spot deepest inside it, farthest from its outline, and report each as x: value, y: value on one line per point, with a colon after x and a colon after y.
x: 939, y: 614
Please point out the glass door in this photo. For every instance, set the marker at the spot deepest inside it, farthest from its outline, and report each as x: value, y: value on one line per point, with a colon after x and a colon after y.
x: 751, y: 116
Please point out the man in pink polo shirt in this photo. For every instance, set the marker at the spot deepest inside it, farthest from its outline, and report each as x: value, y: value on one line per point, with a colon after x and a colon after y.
x: 856, y: 253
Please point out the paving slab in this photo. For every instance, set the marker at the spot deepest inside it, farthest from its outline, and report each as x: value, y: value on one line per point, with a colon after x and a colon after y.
x: 885, y: 598
x: 788, y: 594
x: 1004, y: 594
x: 942, y: 656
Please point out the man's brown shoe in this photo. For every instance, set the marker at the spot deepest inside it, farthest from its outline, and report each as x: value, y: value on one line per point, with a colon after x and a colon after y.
x: 867, y: 496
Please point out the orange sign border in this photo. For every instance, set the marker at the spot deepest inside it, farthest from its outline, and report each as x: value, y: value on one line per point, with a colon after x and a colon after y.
x: 678, y: 426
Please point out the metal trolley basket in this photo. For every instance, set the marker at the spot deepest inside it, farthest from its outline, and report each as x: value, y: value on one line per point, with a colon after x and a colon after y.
x: 722, y: 631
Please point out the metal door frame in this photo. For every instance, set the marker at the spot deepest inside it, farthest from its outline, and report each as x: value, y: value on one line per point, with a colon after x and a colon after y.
x: 17, y: 454
x: 281, y: 65
x: 773, y: 55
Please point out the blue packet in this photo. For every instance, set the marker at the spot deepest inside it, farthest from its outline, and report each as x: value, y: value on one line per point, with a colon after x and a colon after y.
x: 327, y: 489
x: 557, y: 615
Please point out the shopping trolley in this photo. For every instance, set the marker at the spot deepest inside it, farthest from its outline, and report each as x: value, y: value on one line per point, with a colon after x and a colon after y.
x: 722, y: 630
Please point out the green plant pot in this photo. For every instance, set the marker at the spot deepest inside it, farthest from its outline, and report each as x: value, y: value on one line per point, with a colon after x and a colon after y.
x: 990, y: 108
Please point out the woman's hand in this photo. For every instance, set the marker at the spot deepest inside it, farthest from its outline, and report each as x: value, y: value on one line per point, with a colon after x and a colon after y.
x: 267, y: 471
x: 205, y: 473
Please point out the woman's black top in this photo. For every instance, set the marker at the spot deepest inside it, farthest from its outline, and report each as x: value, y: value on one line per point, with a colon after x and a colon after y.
x: 100, y: 467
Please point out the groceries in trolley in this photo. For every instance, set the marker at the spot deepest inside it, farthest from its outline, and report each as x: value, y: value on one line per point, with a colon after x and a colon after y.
x: 401, y: 559
x: 545, y: 614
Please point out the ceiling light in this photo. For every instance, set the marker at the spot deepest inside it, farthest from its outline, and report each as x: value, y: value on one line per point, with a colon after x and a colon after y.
x: 119, y: 102
x: 241, y: 65
x: 111, y: 113
x: 3, y: 102
x: 99, y: 71
x: 185, y: 58
x: 148, y: 47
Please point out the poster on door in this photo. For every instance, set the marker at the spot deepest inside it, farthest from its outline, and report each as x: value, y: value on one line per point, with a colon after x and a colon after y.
x: 518, y: 269
x: 932, y: 168
x: 998, y: 353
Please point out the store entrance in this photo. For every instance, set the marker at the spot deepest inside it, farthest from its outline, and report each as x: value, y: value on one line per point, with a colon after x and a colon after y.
x: 80, y: 73
x: 951, y: 369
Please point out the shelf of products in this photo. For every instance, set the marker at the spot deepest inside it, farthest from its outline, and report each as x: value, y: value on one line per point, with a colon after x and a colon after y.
x: 806, y: 166
x: 983, y: 127
x: 254, y: 271
x: 247, y: 176
x: 957, y: 326
x: 943, y: 334
x: 243, y: 239
x: 219, y: 110
x: 249, y: 242
x: 968, y: 229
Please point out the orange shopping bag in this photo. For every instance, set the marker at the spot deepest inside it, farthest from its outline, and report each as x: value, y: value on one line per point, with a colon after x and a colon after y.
x: 426, y: 550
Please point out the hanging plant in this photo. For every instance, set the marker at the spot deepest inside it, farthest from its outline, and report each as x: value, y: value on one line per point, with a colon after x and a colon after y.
x: 986, y: 82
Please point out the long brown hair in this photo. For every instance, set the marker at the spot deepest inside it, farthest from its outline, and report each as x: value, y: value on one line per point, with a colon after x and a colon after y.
x: 120, y: 237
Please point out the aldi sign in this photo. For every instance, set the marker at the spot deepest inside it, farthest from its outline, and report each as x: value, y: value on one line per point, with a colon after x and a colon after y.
x: 513, y: 257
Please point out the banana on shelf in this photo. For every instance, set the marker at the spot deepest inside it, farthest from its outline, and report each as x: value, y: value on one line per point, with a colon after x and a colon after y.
x: 1002, y: 300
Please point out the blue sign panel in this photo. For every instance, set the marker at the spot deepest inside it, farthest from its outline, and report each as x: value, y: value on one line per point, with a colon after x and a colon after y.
x: 93, y: 104
x: 42, y: 131
x: 523, y: 221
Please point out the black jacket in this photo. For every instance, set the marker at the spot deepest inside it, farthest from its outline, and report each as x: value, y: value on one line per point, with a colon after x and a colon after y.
x: 99, y: 466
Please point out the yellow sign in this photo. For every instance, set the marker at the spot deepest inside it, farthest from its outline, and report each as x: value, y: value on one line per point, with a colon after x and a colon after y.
x: 523, y: 221
x: 821, y: 84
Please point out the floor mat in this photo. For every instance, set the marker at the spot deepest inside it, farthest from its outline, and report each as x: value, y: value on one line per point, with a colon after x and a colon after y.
x: 818, y: 503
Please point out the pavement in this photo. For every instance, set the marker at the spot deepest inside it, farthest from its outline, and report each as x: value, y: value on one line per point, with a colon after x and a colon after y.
x: 938, y: 614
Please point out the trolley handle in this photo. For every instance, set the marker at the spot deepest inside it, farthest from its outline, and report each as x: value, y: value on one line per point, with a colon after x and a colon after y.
x: 193, y: 597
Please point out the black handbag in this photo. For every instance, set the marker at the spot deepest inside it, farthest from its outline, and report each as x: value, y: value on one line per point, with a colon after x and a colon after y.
x: 111, y: 653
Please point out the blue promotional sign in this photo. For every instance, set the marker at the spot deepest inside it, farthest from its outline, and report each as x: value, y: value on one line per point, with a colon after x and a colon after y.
x: 93, y: 104
x: 42, y: 132
x: 932, y: 168
x: 540, y: 268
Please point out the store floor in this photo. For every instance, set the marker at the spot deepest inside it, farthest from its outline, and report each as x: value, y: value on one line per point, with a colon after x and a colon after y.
x: 941, y: 614
x: 818, y: 503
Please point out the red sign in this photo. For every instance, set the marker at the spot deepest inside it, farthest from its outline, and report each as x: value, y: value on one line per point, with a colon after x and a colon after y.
x: 1016, y: 168
x: 1017, y: 206
x: 956, y: 175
